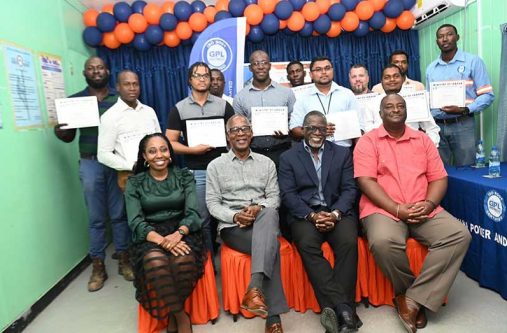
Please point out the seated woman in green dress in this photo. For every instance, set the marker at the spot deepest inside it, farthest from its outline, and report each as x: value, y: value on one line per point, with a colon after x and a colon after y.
x: 167, y: 252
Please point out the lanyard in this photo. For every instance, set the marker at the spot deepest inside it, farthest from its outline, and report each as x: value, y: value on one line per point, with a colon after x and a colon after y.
x: 328, y: 104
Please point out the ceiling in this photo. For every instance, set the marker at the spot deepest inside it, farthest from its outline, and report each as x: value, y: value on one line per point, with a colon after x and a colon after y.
x: 97, y: 4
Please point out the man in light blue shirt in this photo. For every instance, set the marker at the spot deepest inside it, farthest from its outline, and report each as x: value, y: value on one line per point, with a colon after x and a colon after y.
x: 457, y: 125
x: 326, y: 97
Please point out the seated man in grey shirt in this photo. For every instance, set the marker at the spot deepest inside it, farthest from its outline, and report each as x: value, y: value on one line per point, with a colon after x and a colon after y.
x: 242, y: 194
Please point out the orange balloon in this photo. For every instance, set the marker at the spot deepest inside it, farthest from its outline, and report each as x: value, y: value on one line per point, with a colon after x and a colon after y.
x: 406, y: 20
x: 310, y: 11
x: 198, y: 22
x: 253, y: 14
x: 138, y: 23
x: 123, y: 33
x: 183, y: 30
x: 210, y: 13
x: 108, y: 8
x: 332, y: 2
x: 335, y: 30
x: 171, y: 39
x: 110, y: 40
x: 222, y: 5
x: 389, y: 26
x: 152, y: 12
x: 283, y: 24
x: 377, y: 4
x: 350, y: 21
x: 323, y: 5
x: 364, y: 10
x: 296, y: 21
x: 247, y: 31
x: 167, y: 7
x: 268, y: 6
x: 90, y: 17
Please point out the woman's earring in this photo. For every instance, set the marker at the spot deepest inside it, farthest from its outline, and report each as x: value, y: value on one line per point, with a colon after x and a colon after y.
x: 146, y: 164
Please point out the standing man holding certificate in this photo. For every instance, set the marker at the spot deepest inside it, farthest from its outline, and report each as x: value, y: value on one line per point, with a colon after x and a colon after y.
x: 326, y: 97
x: 103, y: 197
x: 457, y: 124
x: 400, y: 59
x: 200, y: 108
x: 261, y: 96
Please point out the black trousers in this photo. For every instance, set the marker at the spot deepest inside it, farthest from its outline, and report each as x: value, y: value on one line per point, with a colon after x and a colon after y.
x: 336, y: 285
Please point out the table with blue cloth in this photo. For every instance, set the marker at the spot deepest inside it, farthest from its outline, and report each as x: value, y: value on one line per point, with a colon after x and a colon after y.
x: 480, y: 204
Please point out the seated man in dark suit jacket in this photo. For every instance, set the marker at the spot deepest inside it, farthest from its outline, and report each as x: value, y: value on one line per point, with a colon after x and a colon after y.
x: 318, y: 188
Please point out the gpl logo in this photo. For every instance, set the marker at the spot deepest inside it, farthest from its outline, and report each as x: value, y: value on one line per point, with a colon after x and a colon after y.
x: 217, y: 53
x: 494, y: 206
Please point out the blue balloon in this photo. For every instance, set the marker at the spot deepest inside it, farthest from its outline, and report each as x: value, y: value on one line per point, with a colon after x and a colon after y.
x: 122, y: 11
x: 140, y: 43
x: 106, y: 22
x: 250, y: 2
x: 297, y: 4
x: 198, y: 6
x: 270, y: 24
x: 349, y: 4
x: 336, y: 12
x: 288, y: 32
x: 168, y: 22
x: 307, y: 30
x: 237, y: 7
x: 154, y: 34
x: 222, y: 15
x: 256, y: 35
x: 408, y: 4
x: 377, y: 21
x: 362, y: 30
x: 283, y: 10
x: 194, y: 37
x: 322, y: 24
x: 186, y: 42
x: 138, y: 6
x: 92, y: 36
x: 182, y: 10
x: 393, y: 8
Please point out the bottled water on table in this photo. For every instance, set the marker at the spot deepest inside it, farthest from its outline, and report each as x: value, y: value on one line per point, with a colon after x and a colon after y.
x: 480, y: 158
x: 494, y: 163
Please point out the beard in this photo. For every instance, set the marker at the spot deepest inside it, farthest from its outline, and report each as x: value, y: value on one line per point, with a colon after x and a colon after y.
x: 98, y: 84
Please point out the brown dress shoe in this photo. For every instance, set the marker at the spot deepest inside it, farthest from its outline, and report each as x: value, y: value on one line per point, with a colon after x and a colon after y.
x: 275, y: 328
x: 124, y: 267
x: 407, y: 311
x: 421, y: 320
x: 99, y: 275
x: 253, y: 301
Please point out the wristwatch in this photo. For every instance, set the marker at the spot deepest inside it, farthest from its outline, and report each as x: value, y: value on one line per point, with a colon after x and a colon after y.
x: 337, y: 214
x: 182, y: 232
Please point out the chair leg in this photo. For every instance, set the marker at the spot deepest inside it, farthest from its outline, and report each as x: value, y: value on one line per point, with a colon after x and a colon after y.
x: 213, y: 321
x: 365, y: 302
x: 235, y: 317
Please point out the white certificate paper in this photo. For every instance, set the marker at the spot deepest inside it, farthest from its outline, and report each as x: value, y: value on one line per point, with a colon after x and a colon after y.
x: 346, y: 125
x: 268, y: 119
x: 417, y: 106
x: 302, y: 90
x: 206, y: 131
x: 77, y: 112
x: 447, y: 93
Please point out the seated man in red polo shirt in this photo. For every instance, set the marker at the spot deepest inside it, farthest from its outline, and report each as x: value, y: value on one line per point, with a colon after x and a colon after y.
x: 403, y: 180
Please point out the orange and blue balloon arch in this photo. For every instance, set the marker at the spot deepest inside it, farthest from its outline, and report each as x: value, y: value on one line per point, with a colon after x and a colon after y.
x: 144, y: 25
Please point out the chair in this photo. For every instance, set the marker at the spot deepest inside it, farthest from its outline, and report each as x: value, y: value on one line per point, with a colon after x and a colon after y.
x: 235, y: 272
x: 202, y: 305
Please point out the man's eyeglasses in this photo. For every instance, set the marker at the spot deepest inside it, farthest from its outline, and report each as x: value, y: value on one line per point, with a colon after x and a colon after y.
x: 198, y: 76
x: 313, y: 129
x: 243, y: 129
x: 260, y: 63
x: 322, y: 69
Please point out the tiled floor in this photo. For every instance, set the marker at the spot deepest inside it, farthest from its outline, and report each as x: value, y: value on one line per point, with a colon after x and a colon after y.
x: 114, y: 310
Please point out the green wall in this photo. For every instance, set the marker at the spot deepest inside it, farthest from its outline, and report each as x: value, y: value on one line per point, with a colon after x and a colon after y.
x: 43, y: 218
x: 489, y: 14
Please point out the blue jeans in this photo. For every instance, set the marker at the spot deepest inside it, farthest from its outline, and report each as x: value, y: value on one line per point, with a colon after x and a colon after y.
x: 103, y: 199
x: 200, y: 187
x: 457, y: 142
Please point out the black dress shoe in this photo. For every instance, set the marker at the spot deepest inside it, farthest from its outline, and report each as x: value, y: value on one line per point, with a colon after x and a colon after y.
x: 329, y: 321
x: 348, y: 322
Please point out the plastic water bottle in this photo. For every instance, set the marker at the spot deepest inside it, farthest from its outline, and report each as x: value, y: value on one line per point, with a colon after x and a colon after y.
x: 480, y: 159
x: 494, y: 163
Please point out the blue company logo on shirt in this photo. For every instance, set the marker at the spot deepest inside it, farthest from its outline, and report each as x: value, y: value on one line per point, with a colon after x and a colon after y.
x: 461, y: 69
x: 217, y: 53
x: 494, y: 206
